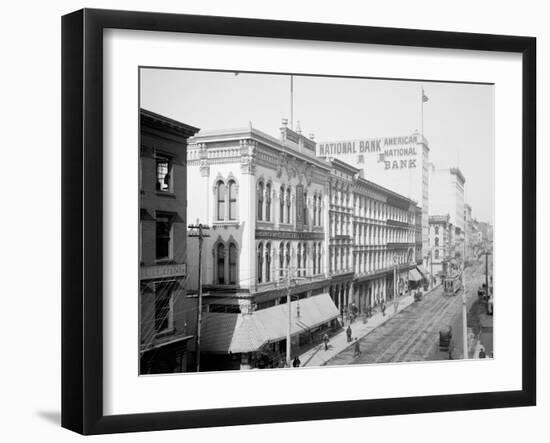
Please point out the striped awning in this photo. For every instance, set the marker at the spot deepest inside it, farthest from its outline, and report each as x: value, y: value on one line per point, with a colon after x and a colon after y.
x: 239, y: 333
x: 414, y: 275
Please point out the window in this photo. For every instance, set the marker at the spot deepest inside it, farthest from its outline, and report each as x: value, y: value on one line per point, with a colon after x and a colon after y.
x: 437, y: 230
x: 164, y: 176
x: 436, y: 241
x: 288, y: 255
x: 304, y: 259
x: 163, y: 237
x: 288, y: 205
x: 260, y: 200
x: 305, y: 209
x: 314, y: 210
x: 282, y: 205
x: 268, y: 202
x: 299, y: 259
x: 436, y: 253
x: 232, y: 190
x: 314, y: 258
x: 281, y: 259
x: 318, y: 258
x: 268, y: 262
x: 232, y: 264
x: 319, y: 222
x: 260, y: 263
x: 220, y: 266
x: 220, y: 198
x: 163, y: 306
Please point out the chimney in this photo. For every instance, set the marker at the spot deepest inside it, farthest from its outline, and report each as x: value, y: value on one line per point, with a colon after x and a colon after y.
x: 312, y: 136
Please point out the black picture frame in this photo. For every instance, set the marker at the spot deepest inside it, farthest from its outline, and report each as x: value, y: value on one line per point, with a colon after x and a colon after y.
x: 82, y: 218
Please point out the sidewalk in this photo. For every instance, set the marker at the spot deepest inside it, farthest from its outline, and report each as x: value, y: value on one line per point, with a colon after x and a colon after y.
x: 317, y: 356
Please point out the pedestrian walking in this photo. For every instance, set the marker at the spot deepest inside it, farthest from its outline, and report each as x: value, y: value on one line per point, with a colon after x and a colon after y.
x: 296, y: 363
x: 357, y: 349
x: 325, y: 341
x: 383, y: 307
x: 348, y: 333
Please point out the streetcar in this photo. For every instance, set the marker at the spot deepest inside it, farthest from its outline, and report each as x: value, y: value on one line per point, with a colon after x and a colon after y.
x: 452, y: 284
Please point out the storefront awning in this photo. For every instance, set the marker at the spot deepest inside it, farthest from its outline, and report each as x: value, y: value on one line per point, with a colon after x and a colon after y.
x: 423, y: 271
x: 414, y: 275
x: 236, y: 333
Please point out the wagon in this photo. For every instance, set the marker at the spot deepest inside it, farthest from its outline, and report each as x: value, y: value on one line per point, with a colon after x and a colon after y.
x: 445, y: 338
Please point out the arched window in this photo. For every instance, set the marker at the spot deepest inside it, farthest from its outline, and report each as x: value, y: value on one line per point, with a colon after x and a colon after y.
x: 319, y: 219
x: 281, y: 259
x: 299, y: 259
x: 268, y: 202
x: 436, y: 241
x: 305, y: 209
x: 314, y: 253
x: 232, y: 264
x: 319, y: 258
x: 288, y: 255
x: 304, y: 259
x: 282, y: 205
x: 220, y: 198
x: 260, y: 200
x: 260, y: 263
x: 220, y: 264
x: 315, y: 210
x: 268, y: 262
x: 288, y: 205
x: 232, y: 191
x: 436, y: 230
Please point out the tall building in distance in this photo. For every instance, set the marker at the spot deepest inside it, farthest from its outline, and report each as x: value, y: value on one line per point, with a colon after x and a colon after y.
x: 447, y: 196
x: 398, y: 163
x: 164, y: 308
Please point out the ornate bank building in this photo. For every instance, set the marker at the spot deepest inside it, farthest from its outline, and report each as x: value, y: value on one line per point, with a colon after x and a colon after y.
x: 266, y: 202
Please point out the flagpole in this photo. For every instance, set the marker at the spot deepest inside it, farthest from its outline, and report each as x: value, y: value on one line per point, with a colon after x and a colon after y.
x: 292, y: 102
x: 422, y: 113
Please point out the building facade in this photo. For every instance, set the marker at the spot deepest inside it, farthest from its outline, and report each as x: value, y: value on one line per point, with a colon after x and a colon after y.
x: 440, y: 251
x: 286, y: 223
x: 164, y: 308
x: 397, y: 163
x: 447, y: 196
x: 265, y: 200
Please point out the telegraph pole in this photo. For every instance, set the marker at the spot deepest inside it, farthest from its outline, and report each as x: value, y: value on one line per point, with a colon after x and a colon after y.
x: 197, y: 231
x: 464, y: 307
x: 487, y: 273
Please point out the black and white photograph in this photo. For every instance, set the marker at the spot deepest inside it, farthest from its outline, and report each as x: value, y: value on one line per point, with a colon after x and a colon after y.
x: 292, y: 220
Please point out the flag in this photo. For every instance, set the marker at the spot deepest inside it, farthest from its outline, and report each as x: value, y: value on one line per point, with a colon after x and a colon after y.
x: 424, y: 97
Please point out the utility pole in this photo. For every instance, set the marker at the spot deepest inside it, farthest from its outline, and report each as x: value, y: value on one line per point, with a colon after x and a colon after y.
x: 464, y: 307
x: 290, y: 279
x: 394, y: 278
x: 197, y: 231
x: 487, y: 273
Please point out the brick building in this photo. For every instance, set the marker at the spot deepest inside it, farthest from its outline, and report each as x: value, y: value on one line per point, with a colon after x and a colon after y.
x: 165, y: 312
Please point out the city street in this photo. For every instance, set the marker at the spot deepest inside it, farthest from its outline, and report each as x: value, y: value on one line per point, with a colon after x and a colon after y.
x: 413, y: 333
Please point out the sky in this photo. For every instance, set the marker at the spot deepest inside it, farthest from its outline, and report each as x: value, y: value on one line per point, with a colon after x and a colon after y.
x: 458, y: 119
